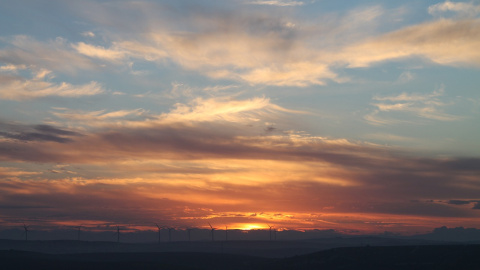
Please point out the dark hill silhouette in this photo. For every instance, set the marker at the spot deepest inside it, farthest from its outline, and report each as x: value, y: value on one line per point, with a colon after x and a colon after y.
x: 120, y: 261
x: 395, y: 257
x: 271, y: 249
x: 458, y: 234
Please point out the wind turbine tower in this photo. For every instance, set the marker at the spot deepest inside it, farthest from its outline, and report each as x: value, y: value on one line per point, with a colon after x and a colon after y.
x: 270, y: 230
x: 213, y: 229
x: 25, y: 227
x: 226, y: 233
x: 170, y: 234
x: 189, y: 234
x: 159, y: 230
x: 79, y: 228
x: 118, y: 234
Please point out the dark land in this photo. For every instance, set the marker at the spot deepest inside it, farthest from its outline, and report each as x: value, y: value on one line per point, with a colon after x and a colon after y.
x: 334, y: 253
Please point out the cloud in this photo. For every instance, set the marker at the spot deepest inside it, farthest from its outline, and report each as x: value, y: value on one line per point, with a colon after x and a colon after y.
x: 278, y: 3
x: 224, y: 109
x: 194, y: 111
x: 14, y: 88
x: 252, y: 47
x: 458, y: 202
x: 55, y: 55
x: 249, y: 47
x: 12, y: 68
x: 102, y: 117
x: 39, y: 84
x: 184, y: 165
x: 406, y: 77
x: 297, y: 74
x: 235, y: 50
x: 392, y: 138
x: 36, y: 133
x: 142, y: 50
x: 429, y: 106
x: 460, y: 8
x: 98, y: 52
x: 273, y: 49
x: 9, y: 172
x: 227, y: 164
x: 444, y: 41
x: 88, y: 34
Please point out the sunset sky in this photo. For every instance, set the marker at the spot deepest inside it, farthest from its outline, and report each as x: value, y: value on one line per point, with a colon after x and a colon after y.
x: 357, y: 116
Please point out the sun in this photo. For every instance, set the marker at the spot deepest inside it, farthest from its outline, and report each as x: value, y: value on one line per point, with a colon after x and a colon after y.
x: 249, y: 226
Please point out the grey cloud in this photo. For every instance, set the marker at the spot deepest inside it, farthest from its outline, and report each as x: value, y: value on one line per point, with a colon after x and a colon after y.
x: 458, y: 202
x: 19, y: 206
x: 476, y: 206
x: 270, y: 129
x: 34, y: 136
x: 36, y: 133
x: 53, y: 130
x: 218, y: 140
x: 463, y: 164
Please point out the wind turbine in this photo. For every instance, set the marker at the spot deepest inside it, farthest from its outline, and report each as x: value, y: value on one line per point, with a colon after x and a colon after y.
x: 118, y: 234
x: 25, y: 227
x: 189, y: 230
x: 270, y: 231
x: 226, y: 233
x: 159, y: 230
x: 213, y: 229
x: 170, y: 234
x: 79, y: 228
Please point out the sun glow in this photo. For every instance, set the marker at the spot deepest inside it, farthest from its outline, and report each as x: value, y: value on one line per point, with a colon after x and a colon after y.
x: 249, y: 226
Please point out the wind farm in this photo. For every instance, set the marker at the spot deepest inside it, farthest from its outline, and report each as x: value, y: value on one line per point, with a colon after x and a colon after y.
x: 265, y: 248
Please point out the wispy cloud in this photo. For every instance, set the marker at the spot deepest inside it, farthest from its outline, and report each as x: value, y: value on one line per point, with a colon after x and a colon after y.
x: 98, y: 52
x: 406, y: 77
x: 429, y: 106
x: 88, y: 34
x: 55, y: 55
x: 391, y: 138
x: 255, y: 48
x: 284, y: 3
x: 14, y: 88
x: 444, y: 41
x: 460, y: 8
x: 264, y: 49
x: 195, y: 111
x: 10, y: 172
x: 260, y: 49
x: 12, y: 68
x: 102, y: 117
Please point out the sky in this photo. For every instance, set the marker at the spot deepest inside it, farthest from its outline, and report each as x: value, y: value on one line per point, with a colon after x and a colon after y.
x: 356, y: 116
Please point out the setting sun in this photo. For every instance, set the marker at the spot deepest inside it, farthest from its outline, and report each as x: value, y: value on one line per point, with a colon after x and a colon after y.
x: 248, y: 226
